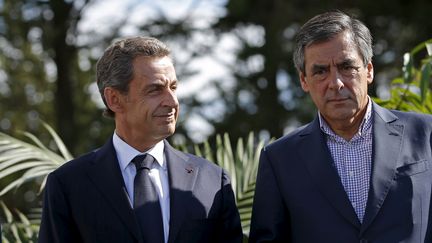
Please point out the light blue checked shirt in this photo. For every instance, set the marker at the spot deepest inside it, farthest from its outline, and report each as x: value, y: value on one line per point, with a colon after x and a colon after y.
x: 353, y: 160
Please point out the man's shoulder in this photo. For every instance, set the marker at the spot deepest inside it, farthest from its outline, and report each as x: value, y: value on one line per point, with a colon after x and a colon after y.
x: 196, y: 160
x: 207, y: 170
x: 413, y: 116
x: 410, y: 117
x: 404, y: 116
x: 76, y: 165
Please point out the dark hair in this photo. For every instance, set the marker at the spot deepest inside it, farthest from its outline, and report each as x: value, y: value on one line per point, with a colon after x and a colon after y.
x: 325, y: 26
x: 115, y: 67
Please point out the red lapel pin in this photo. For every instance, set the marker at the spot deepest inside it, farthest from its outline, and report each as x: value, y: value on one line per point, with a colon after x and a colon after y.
x: 189, y: 169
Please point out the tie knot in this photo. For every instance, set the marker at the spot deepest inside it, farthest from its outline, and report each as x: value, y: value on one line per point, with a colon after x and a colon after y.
x: 143, y: 161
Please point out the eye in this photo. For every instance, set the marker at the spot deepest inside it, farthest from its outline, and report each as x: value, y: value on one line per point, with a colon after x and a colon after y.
x: 154, y: 89
x: 349, y: 69
x: 319, y: 73
x: 174, y: 87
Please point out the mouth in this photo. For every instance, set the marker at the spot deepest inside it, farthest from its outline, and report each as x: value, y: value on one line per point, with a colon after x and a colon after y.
x: 166, y: 116
x: 338, y: 100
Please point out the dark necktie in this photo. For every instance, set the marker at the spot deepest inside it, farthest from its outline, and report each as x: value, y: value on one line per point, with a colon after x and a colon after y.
x: 146, y: 201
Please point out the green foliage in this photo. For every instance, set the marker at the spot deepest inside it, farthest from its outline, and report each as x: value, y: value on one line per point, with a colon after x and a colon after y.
x: 26, y: 162
x: 33, y: 160
x: 22, y: 230
x: 413, y: 91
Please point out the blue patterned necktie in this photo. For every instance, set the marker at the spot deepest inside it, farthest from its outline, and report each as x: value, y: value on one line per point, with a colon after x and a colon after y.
x: 146, y: 201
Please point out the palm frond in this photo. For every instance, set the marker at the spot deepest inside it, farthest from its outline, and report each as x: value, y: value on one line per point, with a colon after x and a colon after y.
x: 29, y: 160
x: 17, y: 230
x: 60, y: 145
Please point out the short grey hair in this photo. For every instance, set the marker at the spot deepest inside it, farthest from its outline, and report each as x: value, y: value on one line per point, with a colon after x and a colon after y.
x: 324, y: 27
x: 115, y: 67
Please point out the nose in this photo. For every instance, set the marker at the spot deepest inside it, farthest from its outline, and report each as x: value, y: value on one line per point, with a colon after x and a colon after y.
x: 335, y: 81
x: 170, y: 99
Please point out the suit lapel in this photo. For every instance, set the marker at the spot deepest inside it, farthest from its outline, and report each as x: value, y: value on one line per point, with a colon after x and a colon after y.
x: 317, y: 158
x: 387, y: 142
x: 182, y: 175
x: 105, y: 173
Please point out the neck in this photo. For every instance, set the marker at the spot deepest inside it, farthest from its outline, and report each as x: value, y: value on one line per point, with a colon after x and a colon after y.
x: 141, y: 144
x: 346, y: 129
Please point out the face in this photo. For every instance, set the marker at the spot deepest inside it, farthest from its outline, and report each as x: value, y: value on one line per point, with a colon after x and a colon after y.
x: 337, y: 79
x: 148, y: 112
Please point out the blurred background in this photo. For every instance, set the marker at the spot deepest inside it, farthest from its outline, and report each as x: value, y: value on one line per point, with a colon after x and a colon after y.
x: 233, y: 59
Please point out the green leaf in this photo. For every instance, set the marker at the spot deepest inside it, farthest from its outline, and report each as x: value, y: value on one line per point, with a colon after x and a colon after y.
x: 408, y: 67
x: 60, y: 145
x: 35, y: 160
x: 424, y: 81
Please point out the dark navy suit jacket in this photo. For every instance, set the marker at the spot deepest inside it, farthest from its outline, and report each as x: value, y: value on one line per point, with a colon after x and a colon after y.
x: 86, y: 201
x: 299, y: 196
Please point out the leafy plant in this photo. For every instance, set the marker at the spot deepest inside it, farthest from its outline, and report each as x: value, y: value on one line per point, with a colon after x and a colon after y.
x: 26, y: 162
x: 23, y: 230
x: 36, y: 160
x: 412, y: 91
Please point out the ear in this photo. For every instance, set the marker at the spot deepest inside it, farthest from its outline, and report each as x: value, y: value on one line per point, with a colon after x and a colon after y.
x: 303, y: 82
x: 114, y: 99
x: 370, y: 73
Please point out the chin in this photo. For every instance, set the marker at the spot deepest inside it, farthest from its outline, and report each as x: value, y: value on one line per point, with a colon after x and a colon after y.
x: 170, y: 131
x: 344, y: 116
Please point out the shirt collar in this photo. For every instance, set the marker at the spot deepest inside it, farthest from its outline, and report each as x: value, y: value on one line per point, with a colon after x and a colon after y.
x: 364, y: 126
x: 125, y: 152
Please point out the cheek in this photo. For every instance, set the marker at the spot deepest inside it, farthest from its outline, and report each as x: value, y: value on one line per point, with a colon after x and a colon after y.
x: 359, y: 89
x: 319, y: 89
x: 148, y: 106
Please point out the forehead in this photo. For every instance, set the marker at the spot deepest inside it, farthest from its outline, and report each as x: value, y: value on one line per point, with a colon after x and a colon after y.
x: 153, y: 62
x: 151, y: 66
x: 336, y: 50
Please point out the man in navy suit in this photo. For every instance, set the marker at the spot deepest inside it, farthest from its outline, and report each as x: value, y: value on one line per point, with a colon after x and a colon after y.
x: 358, y: 172
x: 94, y: 198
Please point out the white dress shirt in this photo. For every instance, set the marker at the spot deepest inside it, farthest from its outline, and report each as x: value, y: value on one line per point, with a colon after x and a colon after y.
x: 158, y: 174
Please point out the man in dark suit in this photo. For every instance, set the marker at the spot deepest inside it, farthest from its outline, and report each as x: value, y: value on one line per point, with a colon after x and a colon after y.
x: 112, y: 194
x: 358, y: 172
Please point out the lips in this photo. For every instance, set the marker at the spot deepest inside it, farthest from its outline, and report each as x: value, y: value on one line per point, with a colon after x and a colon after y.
x: 341, y: 99
x: 166, y: 115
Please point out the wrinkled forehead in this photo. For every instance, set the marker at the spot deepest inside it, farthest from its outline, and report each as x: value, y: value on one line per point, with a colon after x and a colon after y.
x: 339, y: 47
x: 153, y: 68
x: 163, y: 62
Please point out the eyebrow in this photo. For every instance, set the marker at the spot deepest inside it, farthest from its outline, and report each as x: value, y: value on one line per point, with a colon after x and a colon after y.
x: 350, y: 62
x: 316, y: 67
x: 160, y: 83
x: 347, y: 61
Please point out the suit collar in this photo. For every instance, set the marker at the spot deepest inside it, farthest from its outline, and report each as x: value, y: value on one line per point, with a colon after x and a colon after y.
x: 321, y: 168
x: 125, y: 153
x: 104, y: 172
x: 387, y: 144
x: 182, y: 174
